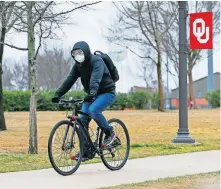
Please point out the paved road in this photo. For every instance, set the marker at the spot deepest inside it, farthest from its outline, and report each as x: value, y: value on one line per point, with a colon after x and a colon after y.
x: 96, y: 175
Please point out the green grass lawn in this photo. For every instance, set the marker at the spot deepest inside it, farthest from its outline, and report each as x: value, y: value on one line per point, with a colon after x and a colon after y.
x: 151, y: 133
x: 199, y: 181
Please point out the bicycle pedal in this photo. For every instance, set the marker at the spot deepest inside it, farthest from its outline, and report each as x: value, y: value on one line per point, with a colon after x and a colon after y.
x: 73, y: 158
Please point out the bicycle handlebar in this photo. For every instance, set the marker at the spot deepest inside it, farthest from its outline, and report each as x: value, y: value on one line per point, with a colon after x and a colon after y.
x: 74, y: 101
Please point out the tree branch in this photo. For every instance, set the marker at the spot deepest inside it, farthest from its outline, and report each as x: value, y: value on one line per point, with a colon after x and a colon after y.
x: 167, y: 26
x: 145, y: 25
x: 144, y: 57
x: 40, y: 38
x: 20, y: 29
x: 69, y: 11
x: 151, y: 22
x: 20, y: 17
x: 14, y: 21
x: 10, y: 7
x: 197, y: 57
x: 12, y: 46
x: 42, y: 13
x: 141, y: 27
x: 127, y: 14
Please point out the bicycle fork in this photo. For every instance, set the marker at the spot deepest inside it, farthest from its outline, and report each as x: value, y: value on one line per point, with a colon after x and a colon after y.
x: 71, y: 144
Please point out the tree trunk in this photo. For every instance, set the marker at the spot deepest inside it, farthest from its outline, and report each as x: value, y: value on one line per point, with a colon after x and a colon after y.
x: 160, y: 83
x: 33, y: 142
x: 2, y: 117
x: 29, y: 77
x: 190, y: 77
x: 3, y: 31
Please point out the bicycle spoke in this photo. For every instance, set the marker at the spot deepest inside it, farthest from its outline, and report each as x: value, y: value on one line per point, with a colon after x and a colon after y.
x: 57, y: 150
x: 60, y: 159
x: 119, y: 155
x: 59, y: 138
x: 66, y: 161
x: 56, y: 139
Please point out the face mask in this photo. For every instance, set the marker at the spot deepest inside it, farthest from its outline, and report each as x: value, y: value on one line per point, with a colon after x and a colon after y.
x: 78, y: 55
x: 79, y: 58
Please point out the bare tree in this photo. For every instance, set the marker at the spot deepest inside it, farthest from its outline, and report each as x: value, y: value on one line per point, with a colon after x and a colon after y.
x: 40, y: 19
x: 144, y: 24
x: 7, y: 20
x: 171, y: 39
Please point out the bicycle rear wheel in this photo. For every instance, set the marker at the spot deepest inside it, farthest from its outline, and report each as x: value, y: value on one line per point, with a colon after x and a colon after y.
x: 115, y: 156
x: 61, y: 153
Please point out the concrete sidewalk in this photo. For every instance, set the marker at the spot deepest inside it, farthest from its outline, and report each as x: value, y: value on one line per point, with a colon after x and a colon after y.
x: 96, y: 175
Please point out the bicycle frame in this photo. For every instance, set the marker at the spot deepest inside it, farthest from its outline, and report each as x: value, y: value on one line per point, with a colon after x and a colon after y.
x: 74, y: 119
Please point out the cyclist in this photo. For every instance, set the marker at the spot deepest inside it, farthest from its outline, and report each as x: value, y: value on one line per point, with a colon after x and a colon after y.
x: 97, y: 83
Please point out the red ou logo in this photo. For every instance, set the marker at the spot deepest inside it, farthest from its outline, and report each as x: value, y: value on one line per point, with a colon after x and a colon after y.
x: 201, y: 30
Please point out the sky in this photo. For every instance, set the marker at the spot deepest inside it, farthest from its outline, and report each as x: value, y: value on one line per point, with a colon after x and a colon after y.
x: 90, y: 26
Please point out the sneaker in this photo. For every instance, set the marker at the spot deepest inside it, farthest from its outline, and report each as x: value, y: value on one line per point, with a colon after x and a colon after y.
x: 109, y: 139
x: 76, y: 157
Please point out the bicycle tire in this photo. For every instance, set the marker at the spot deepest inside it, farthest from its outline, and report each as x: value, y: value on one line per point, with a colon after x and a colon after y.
x: 128, y: 146
x: 64, y: 122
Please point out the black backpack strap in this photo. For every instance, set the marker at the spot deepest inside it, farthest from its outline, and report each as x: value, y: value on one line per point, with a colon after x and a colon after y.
x: 98, y: 52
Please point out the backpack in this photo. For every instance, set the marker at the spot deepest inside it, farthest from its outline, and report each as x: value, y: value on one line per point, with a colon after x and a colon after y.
x: 110, y: 65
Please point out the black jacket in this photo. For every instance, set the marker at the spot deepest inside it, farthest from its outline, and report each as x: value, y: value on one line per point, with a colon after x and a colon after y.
x: 94, y: 74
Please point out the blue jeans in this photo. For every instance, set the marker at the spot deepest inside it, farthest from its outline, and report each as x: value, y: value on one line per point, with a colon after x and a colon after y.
x: 96, y: 108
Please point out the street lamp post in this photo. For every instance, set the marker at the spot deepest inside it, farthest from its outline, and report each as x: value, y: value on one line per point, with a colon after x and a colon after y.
x: 210, y: 80
x: 183, y: 131
x: 167, y: 92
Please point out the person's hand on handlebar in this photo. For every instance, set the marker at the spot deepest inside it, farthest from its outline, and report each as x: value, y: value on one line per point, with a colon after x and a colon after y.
x: 55, y: 99
x: 90, y: 97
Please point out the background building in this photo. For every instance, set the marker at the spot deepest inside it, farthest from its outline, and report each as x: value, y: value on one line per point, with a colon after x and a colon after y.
x: 200, y: 90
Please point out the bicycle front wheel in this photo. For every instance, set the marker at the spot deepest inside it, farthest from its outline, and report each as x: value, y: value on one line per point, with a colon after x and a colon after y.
x: 115, y: 156
x: 62, y: 149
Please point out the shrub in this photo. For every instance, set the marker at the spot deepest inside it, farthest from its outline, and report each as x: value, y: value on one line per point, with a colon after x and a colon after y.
x: 20, y: 100
x: 214, y: 98
x: 16, y: 100
x: 140, y: 99
x: 155, y: 100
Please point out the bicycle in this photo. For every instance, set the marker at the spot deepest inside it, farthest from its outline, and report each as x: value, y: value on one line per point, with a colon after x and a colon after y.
x: 70, y: 142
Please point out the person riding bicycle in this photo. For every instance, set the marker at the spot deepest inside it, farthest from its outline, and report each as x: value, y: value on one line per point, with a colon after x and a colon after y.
x: 97, y: 83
